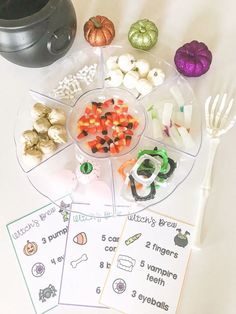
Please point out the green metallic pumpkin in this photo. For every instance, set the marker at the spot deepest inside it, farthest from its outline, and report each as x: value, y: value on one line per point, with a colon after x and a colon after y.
x: 143, y: 34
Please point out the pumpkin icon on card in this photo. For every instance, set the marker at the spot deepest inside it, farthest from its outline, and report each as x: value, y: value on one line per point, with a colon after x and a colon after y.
x: 80, y: 238
x: 30, y: 248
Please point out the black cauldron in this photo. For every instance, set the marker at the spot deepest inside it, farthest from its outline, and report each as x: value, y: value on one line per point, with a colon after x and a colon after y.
x: 35, y: 33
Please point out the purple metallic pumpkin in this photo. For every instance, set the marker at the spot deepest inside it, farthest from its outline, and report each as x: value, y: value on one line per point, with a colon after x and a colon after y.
x: 193, y: 59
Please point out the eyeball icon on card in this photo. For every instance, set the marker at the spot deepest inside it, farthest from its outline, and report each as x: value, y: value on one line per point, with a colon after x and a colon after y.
x: 38, y: 270
x: 119, y: 286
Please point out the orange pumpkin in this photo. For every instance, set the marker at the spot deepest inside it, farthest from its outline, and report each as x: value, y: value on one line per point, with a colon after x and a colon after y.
x: 99, y: 31
x: 30, y: 248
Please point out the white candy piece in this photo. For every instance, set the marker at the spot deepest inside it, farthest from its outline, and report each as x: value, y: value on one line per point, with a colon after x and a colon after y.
x: 143, y: 86
x: 176, y: 93
x: 186, y: 137
x: 143, y: 67
x: 42, y: 125
x: 130, y: 79
x: 178, y: 118
x: 156, y: 124
x: 156, y: 76
x: 29, y: 138
x: 114, y: 78
x: 57, y: 133
x: 39, y: 110
x: 112, y: 63
x: 57, y: 116
x: 187, y: 115
x: 166, y: 115
x: 175, y: 136
x: 32, y: 156
x: 126, y: 62
x: 47, y: 146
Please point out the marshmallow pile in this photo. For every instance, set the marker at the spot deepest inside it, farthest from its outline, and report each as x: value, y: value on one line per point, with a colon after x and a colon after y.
x: 133, y: 74
x: 48, y: 131
x: 70, y: 85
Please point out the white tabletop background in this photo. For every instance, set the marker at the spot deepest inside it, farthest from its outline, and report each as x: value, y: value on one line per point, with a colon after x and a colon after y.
x: 210, y: 282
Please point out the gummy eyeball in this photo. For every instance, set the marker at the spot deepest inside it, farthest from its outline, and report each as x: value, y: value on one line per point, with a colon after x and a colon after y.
x: 143, y: 67
x: 130, y: 79
x: 143, y: 86
x: 114, y: 78
x: 156, y: 76
x: 88, y: 171
x: 112, y: 63
x: 126, y: 62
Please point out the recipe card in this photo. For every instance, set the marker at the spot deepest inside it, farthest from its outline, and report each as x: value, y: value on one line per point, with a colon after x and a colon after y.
x: 149, y: 265
x: 91, y: 244
x: 39, y: 240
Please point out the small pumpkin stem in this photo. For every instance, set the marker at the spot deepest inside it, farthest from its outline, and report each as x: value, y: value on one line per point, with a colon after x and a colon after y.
x: 96, y: 23
x: 108, y: 78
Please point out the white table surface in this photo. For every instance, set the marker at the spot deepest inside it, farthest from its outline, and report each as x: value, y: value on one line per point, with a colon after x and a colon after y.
x: 210, y: 282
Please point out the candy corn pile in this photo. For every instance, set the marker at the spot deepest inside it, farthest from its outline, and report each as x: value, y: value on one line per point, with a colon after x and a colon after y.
x: 110, y: 124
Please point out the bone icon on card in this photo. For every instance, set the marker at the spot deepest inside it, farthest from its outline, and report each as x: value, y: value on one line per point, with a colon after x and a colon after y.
x: 80, y: 238
x: 76, y: 262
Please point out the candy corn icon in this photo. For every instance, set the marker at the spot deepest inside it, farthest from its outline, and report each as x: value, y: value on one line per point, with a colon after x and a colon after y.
x: 80, y: 238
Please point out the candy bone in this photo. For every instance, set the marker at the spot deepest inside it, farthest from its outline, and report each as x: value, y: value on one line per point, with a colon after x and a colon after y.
x: 82, y: 258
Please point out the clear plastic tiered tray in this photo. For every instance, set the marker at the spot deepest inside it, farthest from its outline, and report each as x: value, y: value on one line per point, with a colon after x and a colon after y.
x: 123, y: 150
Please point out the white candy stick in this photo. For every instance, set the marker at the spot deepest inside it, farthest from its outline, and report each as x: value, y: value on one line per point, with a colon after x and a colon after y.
x: 188, y: 116
x: 175, y: 136
x: 176, y: 93
x: 178, y: 118
x: 167, y: 112
x: 156, y: 129
x: 186, y: 137
x: 156, y: 125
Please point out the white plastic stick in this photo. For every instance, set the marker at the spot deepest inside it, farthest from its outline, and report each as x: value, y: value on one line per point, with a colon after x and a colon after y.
x: 188, y: 116
x: 186, y: 137
x: 167, y: 112
x: 176, y: 93
x: 205, y: 190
